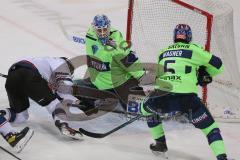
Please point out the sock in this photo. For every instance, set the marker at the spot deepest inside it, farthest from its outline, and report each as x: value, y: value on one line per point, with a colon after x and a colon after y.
x: 215, y: 140
x: 157, y: 132
x: 59, y: 114
x: 21, y: 117
x: 52, y: 106
x: 156, y: 127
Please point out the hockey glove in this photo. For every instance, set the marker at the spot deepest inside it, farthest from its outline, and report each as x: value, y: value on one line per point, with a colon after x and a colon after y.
x: 68, y: 131
x: 203, y: 76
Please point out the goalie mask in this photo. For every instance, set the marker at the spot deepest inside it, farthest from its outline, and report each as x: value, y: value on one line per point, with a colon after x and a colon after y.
x: 101, y: 25
x: 182, y: 33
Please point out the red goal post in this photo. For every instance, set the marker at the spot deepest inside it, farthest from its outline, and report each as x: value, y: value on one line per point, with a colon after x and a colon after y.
x: 208, y: 16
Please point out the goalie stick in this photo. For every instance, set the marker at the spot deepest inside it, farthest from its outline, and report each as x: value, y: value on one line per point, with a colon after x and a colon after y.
x: 102, y: 135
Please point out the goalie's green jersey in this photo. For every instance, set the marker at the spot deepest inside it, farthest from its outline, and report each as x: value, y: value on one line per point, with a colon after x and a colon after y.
x: 113, y: 64
x: 178, y: 65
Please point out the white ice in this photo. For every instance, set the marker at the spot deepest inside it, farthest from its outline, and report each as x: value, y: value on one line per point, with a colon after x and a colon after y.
x: 31, y: 28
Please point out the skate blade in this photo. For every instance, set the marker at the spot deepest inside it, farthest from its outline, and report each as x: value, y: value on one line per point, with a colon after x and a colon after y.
x: 163, y: 155
x: 23, y: 142
x: 77, y: 136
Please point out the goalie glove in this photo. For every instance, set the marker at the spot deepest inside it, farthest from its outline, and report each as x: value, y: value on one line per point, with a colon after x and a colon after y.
x: 203, y: 76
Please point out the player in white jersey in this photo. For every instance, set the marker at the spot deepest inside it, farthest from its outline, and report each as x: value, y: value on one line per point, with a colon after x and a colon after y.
x: 48, y: 82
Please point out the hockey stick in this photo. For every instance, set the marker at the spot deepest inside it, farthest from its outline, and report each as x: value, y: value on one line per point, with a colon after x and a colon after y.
x: 102, y: 135
x: 101, y: 109
x: 3, y: 75
x: 10, y: 153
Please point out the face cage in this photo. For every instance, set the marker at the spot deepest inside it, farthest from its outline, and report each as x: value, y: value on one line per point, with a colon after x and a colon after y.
x: 182, y: 37
x: 102, y: 32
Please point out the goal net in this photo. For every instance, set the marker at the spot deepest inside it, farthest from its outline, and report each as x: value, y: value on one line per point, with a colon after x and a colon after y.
x: 150, y: 28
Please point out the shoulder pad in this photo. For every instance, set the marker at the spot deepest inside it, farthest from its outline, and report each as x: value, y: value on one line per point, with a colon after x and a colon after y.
x: 114, y: 31
x: 90, y: 34
x: 198, y: 46
x: 91, y: 37
x: 111, y: 32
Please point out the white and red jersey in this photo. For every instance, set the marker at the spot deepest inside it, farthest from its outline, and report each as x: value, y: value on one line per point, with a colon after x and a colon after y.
x: 56, y: 72
x: 47, y: 66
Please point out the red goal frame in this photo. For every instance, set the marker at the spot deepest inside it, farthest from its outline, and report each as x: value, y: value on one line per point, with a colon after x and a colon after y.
x: 208, y: 15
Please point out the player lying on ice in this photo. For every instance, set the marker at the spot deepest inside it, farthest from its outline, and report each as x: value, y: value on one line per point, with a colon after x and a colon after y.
x: 48, y: 82
x: 180, y: 62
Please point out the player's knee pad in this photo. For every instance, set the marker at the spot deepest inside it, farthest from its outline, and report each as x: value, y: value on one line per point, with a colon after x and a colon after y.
x: 21, y: 117
x: 214, y: 135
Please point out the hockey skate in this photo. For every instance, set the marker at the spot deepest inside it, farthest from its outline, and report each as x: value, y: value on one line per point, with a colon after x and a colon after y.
x: 67, y: 131
x: 20, y: 139
x: 223, y: 157
x: 159, y: 149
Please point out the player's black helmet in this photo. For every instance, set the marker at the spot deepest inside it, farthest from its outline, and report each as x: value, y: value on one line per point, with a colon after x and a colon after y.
x: 182, y: 33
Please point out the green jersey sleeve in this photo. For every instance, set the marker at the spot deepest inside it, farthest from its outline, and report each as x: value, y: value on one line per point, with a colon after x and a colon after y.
x: 212, y: 63
x: 127, y: 58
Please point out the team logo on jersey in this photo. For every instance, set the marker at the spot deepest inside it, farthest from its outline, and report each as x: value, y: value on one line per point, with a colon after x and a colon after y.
x: 97, y: 64
x: 79, y: 40
x: 94, y: 49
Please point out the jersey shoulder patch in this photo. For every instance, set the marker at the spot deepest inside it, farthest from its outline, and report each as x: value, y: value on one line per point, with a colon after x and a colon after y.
x: 115, y: 33
x: 112, y: 32
x: 90, y: 35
